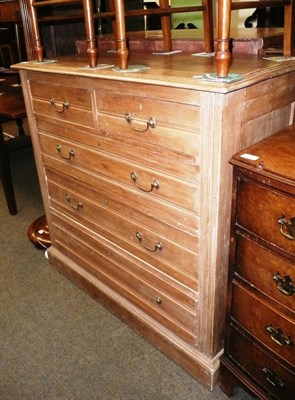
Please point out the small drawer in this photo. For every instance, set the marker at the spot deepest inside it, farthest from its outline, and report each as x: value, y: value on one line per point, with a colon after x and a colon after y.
x: 266, y: 270
x: 149, y: 131
x: 66, y: 104
x: 144, y: 180
x: 260, y: 367
x: 145, y: 114
x: 272, y: 329
x: 166, y: 303
x: 143, y: 242
x: 267, y: 213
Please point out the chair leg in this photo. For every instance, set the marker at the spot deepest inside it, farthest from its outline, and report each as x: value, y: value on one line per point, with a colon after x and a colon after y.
x: 21, y: 131
x: 6, y: 178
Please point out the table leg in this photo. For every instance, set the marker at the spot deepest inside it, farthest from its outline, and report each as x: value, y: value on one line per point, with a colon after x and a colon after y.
x: 6, y: 178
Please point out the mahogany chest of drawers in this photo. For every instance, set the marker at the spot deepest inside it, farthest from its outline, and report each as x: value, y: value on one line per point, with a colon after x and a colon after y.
x: 136, y: 186
x: 260, y: 324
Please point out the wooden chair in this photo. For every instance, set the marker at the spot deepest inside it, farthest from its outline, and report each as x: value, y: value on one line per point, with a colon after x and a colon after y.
x: 12, y: 108
x: 223, y: 55
x: 118, y: 13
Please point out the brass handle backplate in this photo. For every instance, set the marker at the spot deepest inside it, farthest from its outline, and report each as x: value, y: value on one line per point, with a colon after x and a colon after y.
x: 77, y: 206
x: 150, y: 123
x: 69, y: 156
x: 278, y: 336
x: 287, y: 227
x: 157, y: 246
x: 60, y: 108
x: 284, y: 284
x: 273, y: 378
x: 154, y: 185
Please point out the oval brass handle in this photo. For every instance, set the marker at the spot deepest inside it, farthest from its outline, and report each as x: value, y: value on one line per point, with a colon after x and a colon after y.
x: 273, y: 378
x: 69, y: 156
x: 284, y: 284
x: 158, y: 245
x: 150, y: 123
x: 154, y: 185
x: 75, y: 207
x: 287, y: 227
x: 158, y: 300
x: 61, y: 107
x: 277, y: 335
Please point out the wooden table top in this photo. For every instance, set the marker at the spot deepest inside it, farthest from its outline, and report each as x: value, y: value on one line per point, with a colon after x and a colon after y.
x: 11, y: 101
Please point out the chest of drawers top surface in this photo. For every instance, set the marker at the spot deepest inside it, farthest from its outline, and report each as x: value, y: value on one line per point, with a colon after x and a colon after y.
x: 179, y: 70
x: 273, y: 156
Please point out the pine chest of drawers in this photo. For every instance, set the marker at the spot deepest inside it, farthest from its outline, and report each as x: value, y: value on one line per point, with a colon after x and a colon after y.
x: 260, y: 327
x: 136, y: 185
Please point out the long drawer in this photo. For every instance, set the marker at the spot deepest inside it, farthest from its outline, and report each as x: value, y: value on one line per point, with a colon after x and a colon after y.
x: 113, y: 222
x: 266, y: 270
x: 270, y: 327
x: 134, y: 175
x: 266, y: 217
x: 179, y: 149
x: 169, y: 304
x: 259, y: 366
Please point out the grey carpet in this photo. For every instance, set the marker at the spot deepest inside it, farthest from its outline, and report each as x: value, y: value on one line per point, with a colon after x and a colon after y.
x: 55, y: 341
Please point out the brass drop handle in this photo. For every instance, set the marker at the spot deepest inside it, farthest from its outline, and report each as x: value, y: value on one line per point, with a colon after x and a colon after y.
x: 76, y: 206
x: 287, y: 227
x: 154, y: 185
x: 273, y: 378
x: 150, y: 123
x: 69, y: 156
x: 284, y: 284
x: 158, y: 245
x: 158, y: 300
x: 277, y: 335
x: 60, y: 108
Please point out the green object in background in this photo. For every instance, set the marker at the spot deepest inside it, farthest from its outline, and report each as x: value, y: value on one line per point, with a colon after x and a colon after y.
x: 195, y: 18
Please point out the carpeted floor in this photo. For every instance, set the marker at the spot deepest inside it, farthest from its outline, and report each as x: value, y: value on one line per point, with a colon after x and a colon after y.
x: 56, y: 343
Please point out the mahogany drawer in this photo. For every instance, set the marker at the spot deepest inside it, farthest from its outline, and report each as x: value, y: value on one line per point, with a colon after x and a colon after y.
x: 165, y: 301
x: 62, y: 103
x: 260, y: 366
x: 270, y: 327
x: 144, y: 179
x: 144, y: 242
x: 259, y: 210
x: 266, y: 270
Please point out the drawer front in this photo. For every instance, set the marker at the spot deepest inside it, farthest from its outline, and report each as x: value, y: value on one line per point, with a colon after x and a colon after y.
x: 133, y: 175
x: 269, y: 327
x: 63, y: 103
x: 172, y: 223
x: 278, y: 381
x: 167, y: 304
x: 146, y: 114
x: 260, y: 209
x: 181, y: 161
x: 267, y: 271
x: 179, y: 158
x: 77, y: 96
x: 145, y: 243
x: 163, y: 135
